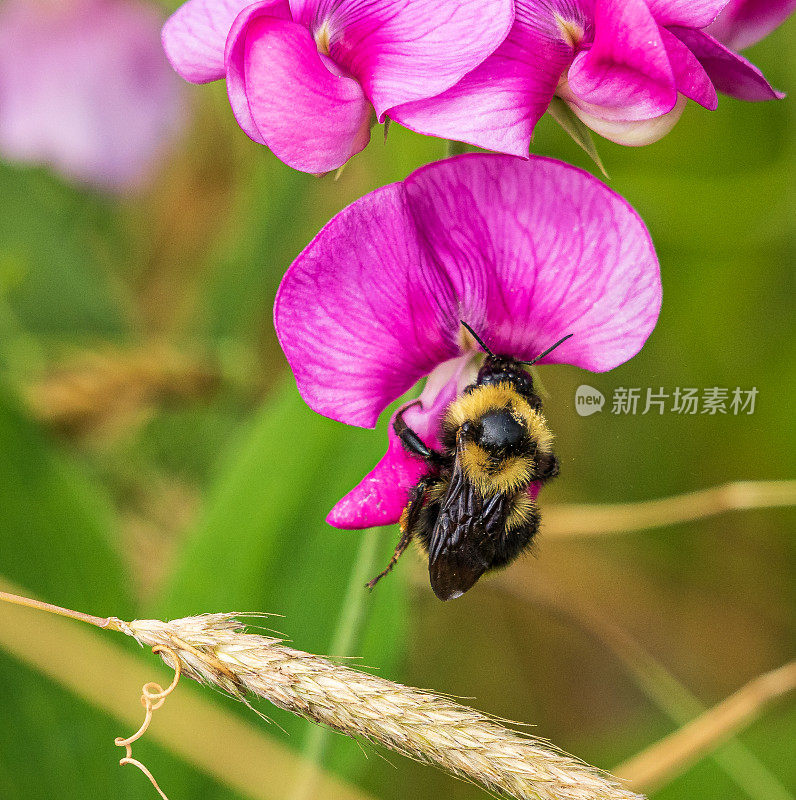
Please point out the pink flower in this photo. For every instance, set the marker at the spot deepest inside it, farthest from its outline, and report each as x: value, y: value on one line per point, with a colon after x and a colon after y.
x: 304, y: 76
x: 744, y: 22
x: 625, y: 67
x: 85, y: 88
x: 523, y: 251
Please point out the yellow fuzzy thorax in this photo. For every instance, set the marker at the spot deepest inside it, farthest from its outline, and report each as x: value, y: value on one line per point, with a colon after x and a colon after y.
x: 521, y: 511
x: 511, y: 474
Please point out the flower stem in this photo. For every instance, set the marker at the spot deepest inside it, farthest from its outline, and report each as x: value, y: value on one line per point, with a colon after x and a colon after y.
x: 659, y: 764
x: 673, y: 698
x: 110, y: 623
x: 596, y: 520
x: 103, y: 674
x: 346, y: 634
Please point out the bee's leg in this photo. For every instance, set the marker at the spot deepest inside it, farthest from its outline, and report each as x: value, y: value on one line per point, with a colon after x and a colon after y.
x: 406, y: 537
x: 409, y: 521
x: 412, y: 442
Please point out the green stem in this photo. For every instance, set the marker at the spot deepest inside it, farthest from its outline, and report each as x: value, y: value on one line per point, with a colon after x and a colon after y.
x: 735, y: 759
x: 453, y: 148
x: 349, y: 625
x: 740, y: 764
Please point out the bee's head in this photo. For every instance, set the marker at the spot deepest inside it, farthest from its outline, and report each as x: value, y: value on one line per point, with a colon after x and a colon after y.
x: 503, y: 369
x: 506, y: 369
x: 499, y: 432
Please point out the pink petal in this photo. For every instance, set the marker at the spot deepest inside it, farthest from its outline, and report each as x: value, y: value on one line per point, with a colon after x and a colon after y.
x: 285, y: 94
x: 381, y: 495
x: 689, y: 74
x: 538, y: 249
x: 85, y: 88
x: 745, y: 22
x: 524, y: 251
x: 730, y: 73
x: 406, y: 50
x: 195, y: 35
x: 497, y: 105
x: 235, y: 65
x: 626, y: 73
x: 361, y: 314
x: 689, y: 13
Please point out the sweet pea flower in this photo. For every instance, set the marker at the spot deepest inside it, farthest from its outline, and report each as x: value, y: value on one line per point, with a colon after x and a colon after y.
x: 85, y: 88
x: 304, y: 77
x: 625, y: 67
x: 525, y: 252
x: 742, y: 23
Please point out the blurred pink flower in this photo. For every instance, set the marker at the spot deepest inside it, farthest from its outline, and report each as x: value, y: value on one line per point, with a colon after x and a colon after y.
x: 625, y: 67
x: 523, y: 251
x: 85, y: 88
x: 304, y: 76
x: 744, y: 22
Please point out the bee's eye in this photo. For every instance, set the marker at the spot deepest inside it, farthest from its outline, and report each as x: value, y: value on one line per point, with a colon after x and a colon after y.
x: 500, y: 431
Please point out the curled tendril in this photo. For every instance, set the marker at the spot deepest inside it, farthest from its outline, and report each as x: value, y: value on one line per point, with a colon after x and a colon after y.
x: 153, y: 695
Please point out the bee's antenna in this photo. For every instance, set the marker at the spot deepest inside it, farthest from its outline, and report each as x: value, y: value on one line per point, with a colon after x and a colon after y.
x: 478, y: 339
x: 546, y: 352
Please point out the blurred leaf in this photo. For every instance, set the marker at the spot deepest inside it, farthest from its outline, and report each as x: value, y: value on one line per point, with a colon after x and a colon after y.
x: 247, y: 264
x: 345, y: 640
x: 263, y: 545
x: 55, y: 248
x: 56, y: 526
x: 57, y: 543
x: 183, y: 442
x: 771, y: 738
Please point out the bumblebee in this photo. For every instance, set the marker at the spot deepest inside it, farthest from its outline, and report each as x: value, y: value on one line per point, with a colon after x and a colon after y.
x: 472, y: 510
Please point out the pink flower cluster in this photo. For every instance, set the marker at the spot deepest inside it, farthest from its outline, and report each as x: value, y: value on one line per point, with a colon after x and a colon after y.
x: 625, y: 67
x: 307, y: 77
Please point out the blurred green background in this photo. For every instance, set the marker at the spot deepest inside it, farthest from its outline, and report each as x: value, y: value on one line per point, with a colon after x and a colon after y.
x: 156, y: 460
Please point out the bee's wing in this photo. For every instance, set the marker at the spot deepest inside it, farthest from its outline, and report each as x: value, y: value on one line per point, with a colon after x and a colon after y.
x: 459, y: 547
